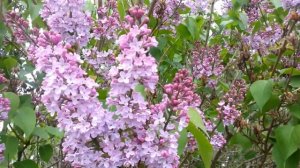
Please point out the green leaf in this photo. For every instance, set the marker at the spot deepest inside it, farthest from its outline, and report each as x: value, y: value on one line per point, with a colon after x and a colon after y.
x: 41, y: 132
x: 261, y: 91
x: 46, y: 152
x: 273, y: 103
x: 196, y: 119
x: 290, y: 71
x: 284, y: 146
x: 182, y: 141
x: 141, y: 89
x: 14, y: 100
x: 25, y: 164
x: 121, y: 9
x: 294, y: 109
x: 54, y: 131
x: 10, y: 63
x: 243, y: 21
x: 204, y: 146
x: 177, y: 58
x: 11, y: 147
x: 295, y: 81
x: 296, y: 135
x: 25, y: 119
x: 276, y: 3
x: 34, y: 9
x: 191, y: 25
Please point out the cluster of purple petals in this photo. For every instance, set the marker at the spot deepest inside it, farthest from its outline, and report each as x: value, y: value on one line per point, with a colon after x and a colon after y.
x: 182, y: 96
x: 4, y: 108
x: 168, y: 11
x: 108, y: 21
x: 227, y: 107
x: 101, y: 61
x: 196, y: 6
x: 264, y: 39
x: 138, y: 134
x: 2, y: 149
x: 3, y: 79
x: 289, y: 4
x: 207, y: 64
x: 18, y: 25
x: 67, y: 18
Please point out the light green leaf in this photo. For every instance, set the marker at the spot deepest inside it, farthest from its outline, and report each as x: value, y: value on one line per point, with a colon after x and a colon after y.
x: 276, y: 3
x: 41, y: 132
x: 182, y: 141
x: 196, y: 119
x: 121, y: 9
x: 204, y: 146
x: 54, y: 131
x: 261, y: 91
x: 25, y: 119
x: 141, y: 89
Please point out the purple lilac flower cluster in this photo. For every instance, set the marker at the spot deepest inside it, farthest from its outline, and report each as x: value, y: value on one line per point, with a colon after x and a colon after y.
x: 3, y: 79
x: 206, y: 64
x: 264, y: 39
x: 101, y: 61
x: 2, y: 149
x: 108, y: 22
x: 181, y: 96
x: 67, y: 18
x: 227, y: 107
x: 4, y: 108
x: 19, y: 26
x: 141, y: 128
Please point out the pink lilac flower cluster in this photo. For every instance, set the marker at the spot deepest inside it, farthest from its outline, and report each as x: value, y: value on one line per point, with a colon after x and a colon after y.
x: 168, y: 11
x: 3, y: 79
x: 101, y: 61
x: 108, y: 21
x: 141, y: 129
x: 181, y: 97
x: 227, y: 107
x: 4, y: 108
x: 67, y: 18
x: 18, y: 25
x: 264, y: 39
x: 2, y: 149
x: 207, y: 64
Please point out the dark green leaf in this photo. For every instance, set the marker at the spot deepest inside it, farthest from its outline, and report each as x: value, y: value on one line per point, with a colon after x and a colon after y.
x: 26, y: 164
x: 11, y: 147
x: 46, y: 152
x: 294, y: 109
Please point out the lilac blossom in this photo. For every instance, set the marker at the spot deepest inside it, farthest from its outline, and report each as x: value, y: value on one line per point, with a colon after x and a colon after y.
x: 207, y: 64
x: 18, y: 25
x: 67, y: 18
x: 227, y: 107
x: 2, y: 149
x: 4, y: 108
